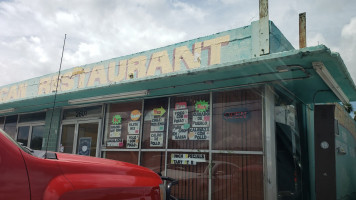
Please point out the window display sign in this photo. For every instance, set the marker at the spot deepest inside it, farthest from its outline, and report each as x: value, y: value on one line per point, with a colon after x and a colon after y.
x: 132, y: 141
x: 179, y: 133
x: 84, y: 146
x: 201, y: 119
x: 134, y: 127
x: 159, y: 111
x: 156, y: 139
x: 157, y: 124
x: 187, y: 159
x: 115, y: 142
x: 198, y: 133
x: 180, y: 105
x: 116, y: 119
x: 236, y: 114
x: 180, y: 116
x: 115, y: 131
x: 202, y: 106
x: 135, y: 115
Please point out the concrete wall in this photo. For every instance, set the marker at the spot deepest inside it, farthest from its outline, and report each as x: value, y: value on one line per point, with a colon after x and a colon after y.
x: 345, y: 154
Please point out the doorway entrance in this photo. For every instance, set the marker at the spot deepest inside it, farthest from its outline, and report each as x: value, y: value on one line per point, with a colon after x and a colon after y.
x: 80, y: 137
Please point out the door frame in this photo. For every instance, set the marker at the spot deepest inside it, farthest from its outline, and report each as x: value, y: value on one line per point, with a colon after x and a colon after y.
x: 76, y: 123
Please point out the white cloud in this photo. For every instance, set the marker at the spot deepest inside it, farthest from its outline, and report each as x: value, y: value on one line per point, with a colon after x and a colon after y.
x: 348, y: 46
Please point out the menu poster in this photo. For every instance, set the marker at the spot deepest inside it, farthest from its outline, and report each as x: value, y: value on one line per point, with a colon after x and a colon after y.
x: 180, y: 116
x: 114, y: 142
x: 134, y: 127
x: 179, y: 133
x: 156, y: 139
x: 201, y: 119
x: 115, y: 130
x: 157, y: 124
x: 198, y: 133
x: 132, y: 141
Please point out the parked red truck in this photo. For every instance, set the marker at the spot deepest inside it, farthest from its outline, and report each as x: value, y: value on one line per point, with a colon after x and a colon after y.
x: 35, y: 175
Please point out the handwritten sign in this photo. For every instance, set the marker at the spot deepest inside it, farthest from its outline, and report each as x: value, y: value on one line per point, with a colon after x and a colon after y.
x: 156, y: 139
x: 157, y: 124
x: 198, y: 133
x: 115, y: 131
x: 134, y: 127
x: 179, y: 133
x: 132, y: 141
x: 114, y: 142
x: 187, y: 159
x: 180, y: 116
x: 201, y: 119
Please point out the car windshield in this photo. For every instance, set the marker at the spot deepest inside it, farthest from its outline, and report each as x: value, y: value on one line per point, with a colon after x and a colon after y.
x: 16, y: 143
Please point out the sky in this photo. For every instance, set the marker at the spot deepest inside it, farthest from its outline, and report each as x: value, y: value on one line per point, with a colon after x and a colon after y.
x: 32, y: 32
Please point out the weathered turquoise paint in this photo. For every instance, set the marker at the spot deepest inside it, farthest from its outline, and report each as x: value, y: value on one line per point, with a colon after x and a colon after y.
x: 345, y: 165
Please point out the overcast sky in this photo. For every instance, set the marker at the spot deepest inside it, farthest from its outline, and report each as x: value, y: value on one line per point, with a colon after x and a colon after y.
x: 32, y: 31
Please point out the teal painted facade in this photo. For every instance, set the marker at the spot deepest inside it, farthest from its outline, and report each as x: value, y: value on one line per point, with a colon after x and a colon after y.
x: 345, y: 155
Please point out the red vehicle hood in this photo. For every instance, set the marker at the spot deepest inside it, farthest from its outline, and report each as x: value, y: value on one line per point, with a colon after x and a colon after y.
x: 107, y: 172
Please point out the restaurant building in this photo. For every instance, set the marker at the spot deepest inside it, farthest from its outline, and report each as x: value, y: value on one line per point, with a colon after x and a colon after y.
x: 239, y: 114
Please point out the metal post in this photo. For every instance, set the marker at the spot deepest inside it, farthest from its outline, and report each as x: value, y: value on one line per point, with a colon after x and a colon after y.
x: 270, y: 172
x: 264, y: 28
x: 302, y: 31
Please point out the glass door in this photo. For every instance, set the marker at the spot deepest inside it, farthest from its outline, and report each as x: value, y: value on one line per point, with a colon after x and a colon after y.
x: 87, y: 139
x: 80, y: 137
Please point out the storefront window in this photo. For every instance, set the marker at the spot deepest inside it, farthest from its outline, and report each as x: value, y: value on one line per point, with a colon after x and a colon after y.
x: 125, y: 156
x: 237, y: 120
x: 154, y: 161
x: 2, y: 122
x: 123, y: 131
x: 22, y: 136
x: 155, y: 123
x: 192, y: 171
x: 10, y: 126
x: 237, y: 176
x: 189, y: 127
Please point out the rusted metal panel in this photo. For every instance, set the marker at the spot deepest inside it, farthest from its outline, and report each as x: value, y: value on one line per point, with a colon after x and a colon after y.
x: 302, y: 31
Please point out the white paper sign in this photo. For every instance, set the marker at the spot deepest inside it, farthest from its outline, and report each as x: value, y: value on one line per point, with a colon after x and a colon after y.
x: 157, y: 124
x: 201, y: 119
x: 187, y: 159
x: 114, y: 142
x: 132, y: 141
x: 180, y: 116
x: 115, y: 130
x: 198, y: 133
x: 134, y: 127
x: 156, y: 139
x: 179, y: 133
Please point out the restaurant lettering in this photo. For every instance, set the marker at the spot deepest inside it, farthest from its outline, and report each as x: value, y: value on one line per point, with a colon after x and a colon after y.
x: 181, y: 58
